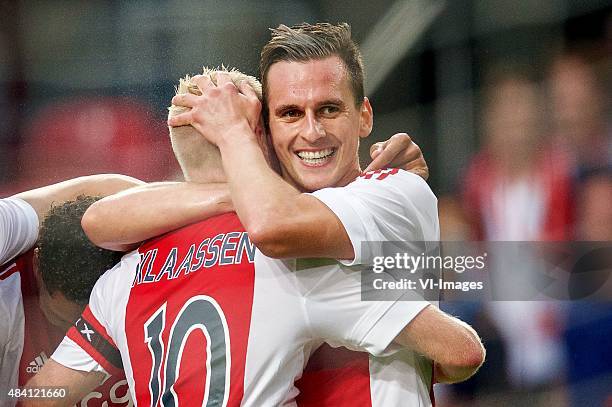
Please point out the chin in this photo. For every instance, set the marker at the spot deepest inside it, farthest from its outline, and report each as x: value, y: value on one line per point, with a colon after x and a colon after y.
x: 310, y: 185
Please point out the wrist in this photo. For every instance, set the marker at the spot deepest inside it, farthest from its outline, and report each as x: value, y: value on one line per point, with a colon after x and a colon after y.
x: 236, y: 134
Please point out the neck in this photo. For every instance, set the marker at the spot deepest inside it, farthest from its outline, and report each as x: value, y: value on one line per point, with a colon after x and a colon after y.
x: 349, y: 177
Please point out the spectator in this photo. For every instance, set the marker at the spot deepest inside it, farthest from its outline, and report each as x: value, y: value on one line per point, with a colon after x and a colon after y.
x: 518, y: 189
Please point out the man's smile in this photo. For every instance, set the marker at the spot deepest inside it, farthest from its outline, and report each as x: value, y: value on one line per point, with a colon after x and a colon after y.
x: 316, y: 158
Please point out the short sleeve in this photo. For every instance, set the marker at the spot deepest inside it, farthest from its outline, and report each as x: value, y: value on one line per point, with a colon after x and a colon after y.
x: 389, y: 205
x: 18, y: 228
x: 381, y: 206
x: 336, y: 312
x: 71, y: 355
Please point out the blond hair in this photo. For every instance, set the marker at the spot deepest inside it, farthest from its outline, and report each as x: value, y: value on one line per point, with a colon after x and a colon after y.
x: 199, y: 159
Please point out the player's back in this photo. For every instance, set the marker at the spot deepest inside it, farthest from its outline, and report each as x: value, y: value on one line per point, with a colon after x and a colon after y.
x: 190, y: 304
x: 182, y: 314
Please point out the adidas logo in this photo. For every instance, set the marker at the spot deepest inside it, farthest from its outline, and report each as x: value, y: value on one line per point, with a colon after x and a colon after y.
x: 38, y: 362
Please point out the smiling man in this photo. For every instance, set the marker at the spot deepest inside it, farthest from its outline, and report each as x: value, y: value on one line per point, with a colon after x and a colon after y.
x: 314, y: 118
x: 316, y: 113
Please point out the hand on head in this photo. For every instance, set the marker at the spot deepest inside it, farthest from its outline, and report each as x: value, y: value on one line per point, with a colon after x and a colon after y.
x: 221, y: 107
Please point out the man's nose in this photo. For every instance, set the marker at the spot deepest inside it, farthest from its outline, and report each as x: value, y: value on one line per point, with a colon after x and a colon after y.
x: 313, y: 128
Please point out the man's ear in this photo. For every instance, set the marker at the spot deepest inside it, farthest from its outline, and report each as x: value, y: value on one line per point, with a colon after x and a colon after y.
x: 265, y: 143
x: 367, y: 118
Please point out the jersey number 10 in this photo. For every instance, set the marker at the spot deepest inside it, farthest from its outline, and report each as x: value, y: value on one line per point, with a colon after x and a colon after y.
x: 199, y: 312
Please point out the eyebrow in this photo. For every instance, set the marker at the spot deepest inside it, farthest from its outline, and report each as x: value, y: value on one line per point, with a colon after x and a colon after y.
x: 333, y: 101
x: 283, y: 108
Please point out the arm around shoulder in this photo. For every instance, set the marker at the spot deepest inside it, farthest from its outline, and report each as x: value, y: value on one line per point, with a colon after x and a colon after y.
x: 122, y: 221
x: 42, y: 198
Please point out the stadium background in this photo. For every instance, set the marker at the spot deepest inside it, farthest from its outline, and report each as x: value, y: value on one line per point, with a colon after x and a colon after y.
x: 493, y: 91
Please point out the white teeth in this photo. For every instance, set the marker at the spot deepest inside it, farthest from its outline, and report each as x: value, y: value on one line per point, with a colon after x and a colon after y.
x: 313, y: 155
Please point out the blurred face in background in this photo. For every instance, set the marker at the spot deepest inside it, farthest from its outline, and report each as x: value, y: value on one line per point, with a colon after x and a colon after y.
x: 513, y: 117
x: 315, y: 124
x: 594, y: 209
x: 576, y: 101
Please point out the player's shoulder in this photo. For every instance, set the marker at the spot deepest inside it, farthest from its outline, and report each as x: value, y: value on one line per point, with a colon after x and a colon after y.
x: 397, y: 181
x: 120, y: 275
x: 13, y: 204
x: 390, y: 175
x: 18, y: 228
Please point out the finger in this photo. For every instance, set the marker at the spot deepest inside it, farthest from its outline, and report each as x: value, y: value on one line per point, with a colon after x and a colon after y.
x: 400, y: 161
x: 402, y: 152
x: 398, y: 149
x: 382, y: 160
x: 224, y: 79
x: 247, y: 90
x: 421, y: 172
x: 185, y: 100
x: 375, y: 149
x: 203, y: 82
x: 401, y: 144
x: 183, y: 119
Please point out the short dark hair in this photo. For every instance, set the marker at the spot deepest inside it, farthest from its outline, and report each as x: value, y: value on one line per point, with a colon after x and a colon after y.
x: 306, y: 42
x: 68, y: 261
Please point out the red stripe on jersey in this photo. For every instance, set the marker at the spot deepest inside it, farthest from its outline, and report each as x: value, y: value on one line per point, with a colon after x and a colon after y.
x: 387, y: 173
x: 89, y: 334
x: 22, y: 264
x: 335, y: 377
x: 8, y: 271
x: 198, y: 289
x: 40, y: 336
x: 380, y: 174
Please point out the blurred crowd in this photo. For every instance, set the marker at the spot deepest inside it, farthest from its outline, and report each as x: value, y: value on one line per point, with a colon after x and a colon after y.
x: 90, y: 135
x: 543, y: 173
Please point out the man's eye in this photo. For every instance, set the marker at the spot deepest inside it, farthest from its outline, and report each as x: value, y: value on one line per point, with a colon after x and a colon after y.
x: 291, y: 113
x: 329, y: 110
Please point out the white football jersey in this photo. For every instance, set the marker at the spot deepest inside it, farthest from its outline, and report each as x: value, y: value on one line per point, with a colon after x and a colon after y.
x: 200, y: 316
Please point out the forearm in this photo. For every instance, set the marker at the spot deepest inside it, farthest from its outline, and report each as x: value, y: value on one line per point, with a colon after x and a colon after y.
x: 76, y: 383
x: 281, y: 221
x: 453, y: 345
x: 260, y: 195
x: 42, y: 198
x: 453, y: 374
x: 121, y: 221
